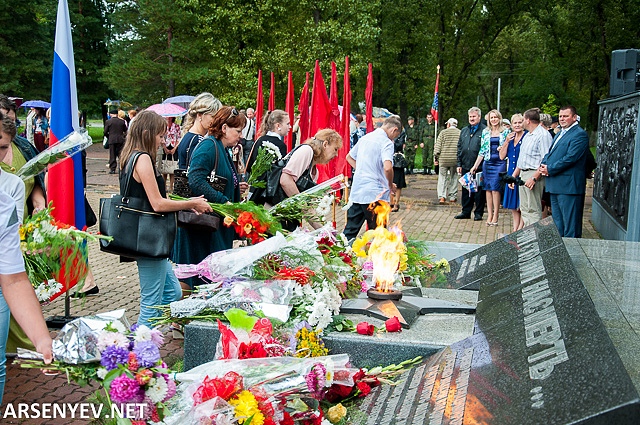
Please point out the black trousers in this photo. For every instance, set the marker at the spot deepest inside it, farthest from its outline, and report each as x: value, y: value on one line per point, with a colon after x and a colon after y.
x: 114, y: 153
x: 470, y: 199
x: 358, y: 214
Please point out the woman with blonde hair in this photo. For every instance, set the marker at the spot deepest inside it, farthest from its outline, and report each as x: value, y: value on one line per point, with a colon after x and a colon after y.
x: 492, y: 139
x: 511, y: 151
x: 158, y: 283
x: 196, y: 125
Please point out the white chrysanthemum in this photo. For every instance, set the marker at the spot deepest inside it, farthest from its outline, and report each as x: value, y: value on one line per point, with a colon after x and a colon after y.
x: 320, y: 316
x: 273, y: 150
x: 42, y: 293
x: 48, y: 229
x: 101, y: 372
x: 105, y: 339
x: 143, y: 333
x: 118, y: 326
x: 37, y: 236
x: 157, y: 389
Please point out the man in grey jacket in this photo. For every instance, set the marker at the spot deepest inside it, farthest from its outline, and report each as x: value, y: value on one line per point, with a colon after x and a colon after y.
x: 468, y: 148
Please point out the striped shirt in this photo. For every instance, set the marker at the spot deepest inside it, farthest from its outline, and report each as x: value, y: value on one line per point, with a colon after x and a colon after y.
x: 535, y: 145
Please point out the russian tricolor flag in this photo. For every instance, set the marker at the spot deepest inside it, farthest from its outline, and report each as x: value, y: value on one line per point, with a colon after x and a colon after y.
x: 65, y: 185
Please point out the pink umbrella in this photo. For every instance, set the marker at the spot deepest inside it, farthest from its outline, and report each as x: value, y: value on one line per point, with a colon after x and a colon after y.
x: 167, y: 110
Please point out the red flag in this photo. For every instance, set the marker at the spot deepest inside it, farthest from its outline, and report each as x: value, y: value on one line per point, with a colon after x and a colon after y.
x: 303, y: 107
x: 320, y: 108
x: 334, y: 118
x: 272, y: 94
x: 434, y: 105
x: 259, y: 105
x: 325, y: 172
x: 342, y: 165
x: 289, y: 107
x: 368, y: 100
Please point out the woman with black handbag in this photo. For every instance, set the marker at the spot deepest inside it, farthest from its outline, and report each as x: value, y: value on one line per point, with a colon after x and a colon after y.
x: 300, y: 172
x: 158, y: 283
x: 212, y: 174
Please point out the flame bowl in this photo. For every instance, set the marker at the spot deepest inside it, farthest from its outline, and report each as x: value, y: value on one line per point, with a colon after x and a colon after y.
x: 374, y: 294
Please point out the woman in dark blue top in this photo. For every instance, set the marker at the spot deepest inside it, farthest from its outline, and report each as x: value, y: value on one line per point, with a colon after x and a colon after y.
x: 212, y: 155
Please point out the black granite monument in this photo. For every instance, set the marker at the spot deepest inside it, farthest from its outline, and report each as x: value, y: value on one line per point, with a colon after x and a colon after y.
x: 539, y: 353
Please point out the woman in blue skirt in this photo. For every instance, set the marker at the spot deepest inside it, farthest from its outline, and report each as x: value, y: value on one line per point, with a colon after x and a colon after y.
x: 511, y: 151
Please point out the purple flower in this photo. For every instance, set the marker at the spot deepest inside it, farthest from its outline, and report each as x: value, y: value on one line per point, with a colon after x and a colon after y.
x: 147, y: 353
x: 125, y: 390
x: 156, y: 337
x: 112, y: 356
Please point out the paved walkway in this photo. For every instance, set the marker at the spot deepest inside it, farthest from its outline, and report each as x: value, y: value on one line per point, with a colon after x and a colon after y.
x: 421, y: 216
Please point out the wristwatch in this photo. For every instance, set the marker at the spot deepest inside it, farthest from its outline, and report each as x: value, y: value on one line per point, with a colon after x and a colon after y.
x: 534, y: 179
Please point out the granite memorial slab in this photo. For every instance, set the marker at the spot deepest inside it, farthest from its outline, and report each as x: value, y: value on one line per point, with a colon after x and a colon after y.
x: 539, y: 353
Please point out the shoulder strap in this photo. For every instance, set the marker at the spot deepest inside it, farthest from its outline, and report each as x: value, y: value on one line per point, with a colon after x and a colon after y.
x: 195, y: 136
x: 127, y: 174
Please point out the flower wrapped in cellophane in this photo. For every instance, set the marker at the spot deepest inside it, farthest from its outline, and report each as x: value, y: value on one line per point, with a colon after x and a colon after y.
x: 125, y: 361
x: 318, y: 264
x: 53, y: 252
x: 276, y: 390
x: 71, y: 144
x: 312, y: 204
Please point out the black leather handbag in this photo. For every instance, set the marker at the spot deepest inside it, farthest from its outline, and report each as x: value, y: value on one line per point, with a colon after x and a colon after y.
x: 181, y: 179
x: 137, y: 230
x: 273, y: 192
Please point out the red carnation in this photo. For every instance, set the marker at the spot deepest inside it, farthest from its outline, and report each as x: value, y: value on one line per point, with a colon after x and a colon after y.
x: 393, y: 324
x: 364, y: 328
x: 364, y: 388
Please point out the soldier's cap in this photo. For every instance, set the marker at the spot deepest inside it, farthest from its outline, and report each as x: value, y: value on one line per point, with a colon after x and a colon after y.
x: 410, y: 118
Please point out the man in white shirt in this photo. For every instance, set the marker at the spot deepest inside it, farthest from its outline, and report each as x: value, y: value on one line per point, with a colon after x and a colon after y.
x: 535, y: 145
x: 372, y: 158
x: 248, y: 135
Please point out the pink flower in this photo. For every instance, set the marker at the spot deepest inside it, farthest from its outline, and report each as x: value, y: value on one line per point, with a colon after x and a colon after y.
x: 393, y: 325
x: 364, y: 328
x: 125, y: 390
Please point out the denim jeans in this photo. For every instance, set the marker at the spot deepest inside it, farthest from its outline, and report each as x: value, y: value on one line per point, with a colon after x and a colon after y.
x: 158, y: 286
x: 4, y: 332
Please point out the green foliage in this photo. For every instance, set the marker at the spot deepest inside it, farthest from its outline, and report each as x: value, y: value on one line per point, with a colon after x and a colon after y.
x: 550, y: 106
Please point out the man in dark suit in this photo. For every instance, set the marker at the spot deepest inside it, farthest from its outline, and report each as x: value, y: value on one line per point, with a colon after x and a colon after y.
x: 468, y: 148
x: 115, y: 130
x: 564, y: 168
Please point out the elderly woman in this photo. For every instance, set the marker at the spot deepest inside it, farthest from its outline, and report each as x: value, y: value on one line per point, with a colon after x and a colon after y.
x: 212, y: 155
x: 301, y: 165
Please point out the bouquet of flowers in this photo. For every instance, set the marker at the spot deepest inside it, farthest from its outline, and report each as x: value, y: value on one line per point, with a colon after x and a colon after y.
x: 250, y: 221
x: 71, y: 144
x: 267, y: 155
x: 421, y: 267
x: 124, y: 361
x: 312, y: 204
x: 276, y: 390
x: 53, y: 252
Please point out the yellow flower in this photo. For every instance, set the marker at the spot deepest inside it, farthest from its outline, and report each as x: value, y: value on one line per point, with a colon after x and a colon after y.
x: 22, y: 232
x: 336, y: 413
x: 247, y: 407
x: 247, y: 228
x: 228, y: 221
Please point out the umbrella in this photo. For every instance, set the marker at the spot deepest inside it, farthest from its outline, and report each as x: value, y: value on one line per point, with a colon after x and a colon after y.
x: 183, y: 100
x: 118, y: 103
x: 167, y: 109
x: 36, y: 104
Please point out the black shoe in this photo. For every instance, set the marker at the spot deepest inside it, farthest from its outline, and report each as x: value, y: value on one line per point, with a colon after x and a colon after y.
x: 477, y: 218
x: 91, y: 292
x: 112, y: 172
x: 463, y: 216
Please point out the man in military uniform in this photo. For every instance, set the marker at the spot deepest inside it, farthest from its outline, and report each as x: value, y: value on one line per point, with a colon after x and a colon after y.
x: 428, y: 139
x: 411, y: 145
